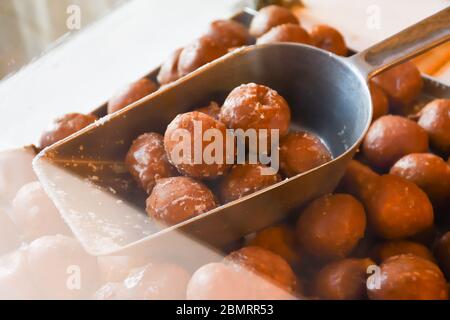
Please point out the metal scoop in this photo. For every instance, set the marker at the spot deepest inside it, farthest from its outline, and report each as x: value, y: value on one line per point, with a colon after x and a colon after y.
x: 328, y: 95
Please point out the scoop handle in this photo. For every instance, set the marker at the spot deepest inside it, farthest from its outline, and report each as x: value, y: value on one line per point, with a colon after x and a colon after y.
x: 405, y: 45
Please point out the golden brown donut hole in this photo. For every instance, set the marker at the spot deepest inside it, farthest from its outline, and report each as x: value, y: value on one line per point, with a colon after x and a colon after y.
x: 266, y: 264
x: 397, y: 208
x: 329, y: 39
x: 199, y: 53
x: 402, y: 84
x: 380, y: 101
x: 428, y: 171
x: 270, y: 17
x: 392, y: 137
x: 245, y: 179
x: 65, y: 126
x: 301, y: 152
x: 343, y: 280
x: 176, y: 199
x: 228, y: 33
x: 169, y: 70
x: 186, y: 163
x: 388, y: 249
x: 147, y: 161
x: 132, y: 93
x: 409, y: 277
x: 442, y: 253
x: 331, y: 226
x: 435, y: 119
x: 212, y: 110
x: 286, y: 33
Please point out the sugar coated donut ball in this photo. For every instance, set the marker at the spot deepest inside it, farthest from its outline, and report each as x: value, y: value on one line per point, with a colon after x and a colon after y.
x: 116, y: 268
x: 169, y: 70
x: 65, y: 126
x: 174, y: 200
x: 208, y: 157
x: 331, y: 226
x: 269, y: 17
x: 61, y: 269
x: 228, y: 33
x: 199, y: 53
x: 34, y: 213
x: 385, y: 250
x: 286, y: 33
x: 132, y: 93
x: 435, y: 119
x: 301, y: 152
x: 398, y: 209
x: 408, y: 277
x: 245, y: 179
x: 392, y: 137
x: 147, y: 161
x: 329, y: 39
x: 343, y: 279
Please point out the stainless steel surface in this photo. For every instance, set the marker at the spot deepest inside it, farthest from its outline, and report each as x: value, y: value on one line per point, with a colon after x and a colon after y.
x: 327, y: 96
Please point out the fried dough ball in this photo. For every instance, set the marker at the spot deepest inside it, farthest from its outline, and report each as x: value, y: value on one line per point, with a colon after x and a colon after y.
x: 115, y: 269
x: 245, y: 179
x: 392, y: 137
x: 343, y: 280
x: 61, y: 269
x: 435, y: 119
x: 385, y: 250
x: 174, y: 200
x: 270, y: 17
x: 408, y: 277
x: 380, y: 101
x: 265, y: 264
x: 132, y: 93
x: 147, y: 161
x: 212, y: 110
x: 65, y: 126
x: 331, y: 226
x: 253, y: 106
x: 111, y: 291
x: 189, y: 130
x: 442, y: 253
x: 199, y: 53
x: 9, y: 235
x: 286, y: 33
x: 279, y: 240
x: 403, y: 84
x: 398, y: 209
x: 34, y: 213
x: 359, y: 180
x: 228, y: 33
x: 169, y: 70
x: 428, y: 171
x: 329, y: 39
x: 301, y: 152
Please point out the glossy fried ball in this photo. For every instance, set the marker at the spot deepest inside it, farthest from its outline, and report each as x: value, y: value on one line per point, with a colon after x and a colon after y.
x: 199, y: 53
x: 65, y: 126
x: 329, y: 39
x: 147, y: 161
x: 402, y: 84
x: 174, y: 200
x: 385, y: 250
x: 281, y: 241
x: 380, y: 101
x: 392, y: 137
x: 343, y: 280
x: 301, y: 152
x: 245, y: 179
x: 169, y: 70
x: 286, y: 33
x: 228, y: 33
x: 270, y: 17
x: 428, y: 171
x: 398, y: 209
x: 253, y: 106
x: 435, y: 119
x: 408, y: 277
x: 213, y: 110
x: 265, y: 264
x: 359, y: 180
x: 131, y: 93
x: 331, y: 226
x: 206, y: 158
x: 442, y: 253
